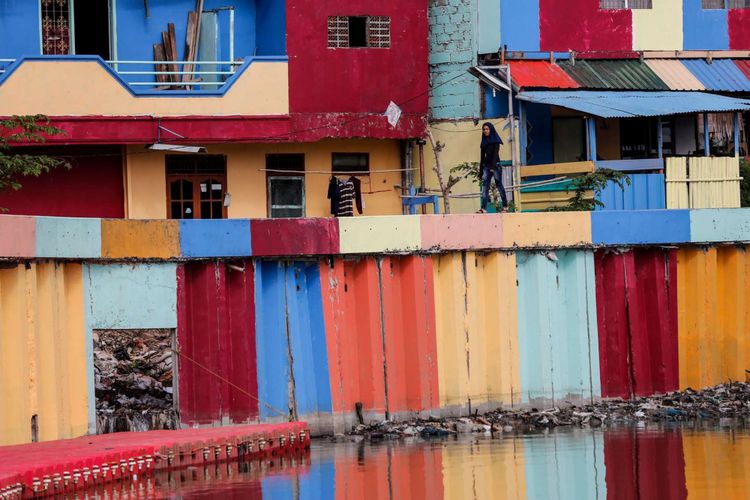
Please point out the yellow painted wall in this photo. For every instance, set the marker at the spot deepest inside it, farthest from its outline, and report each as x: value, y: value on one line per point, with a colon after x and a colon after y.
x: 147, y: 190
x: 477, y: 328
x: 84, y: 88
x: 42, y: 352
x: 713, y: 305
x: 658, y: 28
x: 461, y: 141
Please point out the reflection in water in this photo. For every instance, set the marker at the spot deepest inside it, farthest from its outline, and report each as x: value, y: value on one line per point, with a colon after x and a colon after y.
x: 577, y: 464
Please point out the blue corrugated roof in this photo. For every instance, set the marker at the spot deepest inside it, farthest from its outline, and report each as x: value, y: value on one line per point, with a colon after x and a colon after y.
x: 615, y: 104
x: 721, y: 75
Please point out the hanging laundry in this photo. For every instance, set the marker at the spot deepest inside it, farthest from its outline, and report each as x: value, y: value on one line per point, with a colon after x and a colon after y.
x: 357, y: 193
x: 342, y: 194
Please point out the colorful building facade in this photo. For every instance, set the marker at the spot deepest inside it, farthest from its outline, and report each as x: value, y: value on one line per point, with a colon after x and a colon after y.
x: 275, y: 95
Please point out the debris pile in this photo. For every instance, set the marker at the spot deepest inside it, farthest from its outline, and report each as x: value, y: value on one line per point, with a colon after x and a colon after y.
x: 133, y: 380
x: 726, y: 401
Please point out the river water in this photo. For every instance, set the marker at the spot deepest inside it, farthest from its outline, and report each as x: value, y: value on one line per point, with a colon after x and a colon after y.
x: 644, y: 463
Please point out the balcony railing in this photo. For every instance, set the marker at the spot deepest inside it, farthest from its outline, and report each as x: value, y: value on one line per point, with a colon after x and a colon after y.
x: 173, y: 75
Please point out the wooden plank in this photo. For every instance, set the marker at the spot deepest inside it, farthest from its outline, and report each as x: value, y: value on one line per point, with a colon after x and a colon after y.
x: 167, y: 55
x: 579, y: 167
x: 159, y: 56
x: 190, y: 48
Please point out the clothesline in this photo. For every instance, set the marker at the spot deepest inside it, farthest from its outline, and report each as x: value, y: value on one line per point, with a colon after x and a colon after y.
x: 328, y: 172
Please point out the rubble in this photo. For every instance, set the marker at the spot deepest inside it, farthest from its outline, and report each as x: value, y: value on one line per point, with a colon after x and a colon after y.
x: 133, y: 380
x: 728, y: 404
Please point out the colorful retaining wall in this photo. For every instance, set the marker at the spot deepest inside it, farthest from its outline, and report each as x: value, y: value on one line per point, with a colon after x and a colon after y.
x: 309, y: 319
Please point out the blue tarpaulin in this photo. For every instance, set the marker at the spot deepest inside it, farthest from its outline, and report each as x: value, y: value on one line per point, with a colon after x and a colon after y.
x: 614, y: 104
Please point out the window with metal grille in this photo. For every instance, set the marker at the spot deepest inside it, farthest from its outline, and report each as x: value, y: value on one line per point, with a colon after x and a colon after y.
x: 196, y: 186
x: 738, y: 4
x: 286, y: 185
x: 350, y: 163
x: 56, y: 27
x: 712, y: 4
x: 624, y: 4
x: 359, y: 32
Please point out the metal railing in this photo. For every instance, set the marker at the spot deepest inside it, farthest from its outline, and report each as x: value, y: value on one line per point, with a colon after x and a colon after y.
x: 205, y: 74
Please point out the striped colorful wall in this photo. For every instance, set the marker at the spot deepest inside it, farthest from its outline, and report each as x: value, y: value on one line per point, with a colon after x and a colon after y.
x: 401, y: 315
x: 581, y: 25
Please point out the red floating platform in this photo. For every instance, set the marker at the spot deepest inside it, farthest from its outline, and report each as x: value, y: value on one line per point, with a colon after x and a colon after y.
x: 53, y: 467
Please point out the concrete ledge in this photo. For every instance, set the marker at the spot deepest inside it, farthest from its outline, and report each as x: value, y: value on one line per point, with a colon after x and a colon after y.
x: 384, y: 234
x: 715, y: 225
x: 461, y: 232
x: 141, y: 239
x: 549, y: 229
x: 17, y: 236
x: 640, y: 227
x: 215, y: 238
x: 68, y: 238
x: 275, y: 237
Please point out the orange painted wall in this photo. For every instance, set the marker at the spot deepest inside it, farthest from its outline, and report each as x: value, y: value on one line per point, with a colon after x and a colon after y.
x: 124, y: 239
x: 351, y: 305
x: 410, y: 343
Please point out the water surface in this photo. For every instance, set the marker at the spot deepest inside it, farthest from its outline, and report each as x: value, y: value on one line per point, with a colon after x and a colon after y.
x: 658, y: 463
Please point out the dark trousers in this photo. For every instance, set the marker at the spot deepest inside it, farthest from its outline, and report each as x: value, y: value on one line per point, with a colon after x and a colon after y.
x: 487, y: 174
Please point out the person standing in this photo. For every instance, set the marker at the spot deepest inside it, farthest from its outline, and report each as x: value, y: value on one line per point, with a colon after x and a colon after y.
x: 489, y: 166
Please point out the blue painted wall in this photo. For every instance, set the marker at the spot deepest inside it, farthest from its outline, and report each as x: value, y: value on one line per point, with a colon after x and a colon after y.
x: 704, y: 29
x: 215, y: 238
x: 132, y: 295
x: 519, y: 24
x: 646, y: 191
x: 637, y: 227
x: 19, y: 29
x: 270, y: 33
x: 289, y: 313
x: 557, y: 326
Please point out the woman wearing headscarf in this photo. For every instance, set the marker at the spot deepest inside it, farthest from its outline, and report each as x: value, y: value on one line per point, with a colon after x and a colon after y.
x: 489, y: 165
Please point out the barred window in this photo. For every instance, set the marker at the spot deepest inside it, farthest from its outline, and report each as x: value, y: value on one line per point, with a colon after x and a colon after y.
x: 738, y: 4
x: 359, y: 32
x: 712, y: 4
x: 725, y: 4
x: 624, y: 4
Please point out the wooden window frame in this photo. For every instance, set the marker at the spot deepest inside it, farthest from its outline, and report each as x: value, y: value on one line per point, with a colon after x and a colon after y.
x: 196, y: 179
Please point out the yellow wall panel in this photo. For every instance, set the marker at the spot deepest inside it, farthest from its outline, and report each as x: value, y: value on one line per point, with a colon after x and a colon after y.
x: 658, y: 28
x: 713, y: 315
x: 42, y: 353
x: 477, y: 330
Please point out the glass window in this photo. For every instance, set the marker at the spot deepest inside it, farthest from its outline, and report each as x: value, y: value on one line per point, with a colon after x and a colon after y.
x: 286, y: 196
x: 350, y: 163
x: 197, y: 186
x: 624, y: 4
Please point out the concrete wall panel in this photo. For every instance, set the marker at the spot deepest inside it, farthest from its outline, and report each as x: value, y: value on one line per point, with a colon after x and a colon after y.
x: 147, y: 239
x: 660, y: 27
x: 714, y: 225
x: 17, y: 236
x: 215, y: 238
x: 547, y: 229
x: 68, y: 238
x: 385, y: 234
x: 640, y: 227
x: 295, y: 236
x: 461, y: 232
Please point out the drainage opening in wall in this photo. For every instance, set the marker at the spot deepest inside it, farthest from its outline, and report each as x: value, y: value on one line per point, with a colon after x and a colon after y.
x: 134, y: 380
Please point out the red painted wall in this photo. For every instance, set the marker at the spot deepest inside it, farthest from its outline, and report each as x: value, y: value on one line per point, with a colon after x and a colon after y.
x: 590, y: 29
x: 644, y: 465
x: 358, y: 80
x: 739, y: 29
x: 93, y: 187
x: 636, y: 302
x: 294, y: 237
x: 216, y: 338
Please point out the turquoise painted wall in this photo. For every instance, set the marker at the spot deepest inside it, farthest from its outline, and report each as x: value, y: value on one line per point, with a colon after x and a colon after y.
x: 557, y: 326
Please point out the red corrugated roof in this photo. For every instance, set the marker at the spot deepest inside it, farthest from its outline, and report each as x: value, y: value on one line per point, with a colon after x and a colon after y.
x: 744, y: 66
x: 540, y: 74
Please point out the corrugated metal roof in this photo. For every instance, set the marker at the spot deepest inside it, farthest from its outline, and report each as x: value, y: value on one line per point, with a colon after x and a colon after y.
x: 540, y: 74
x: 744, y: 66
x: 634, y: 104
x: 675, y: 74
x: 613, y: 74
x: 721, y: 74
